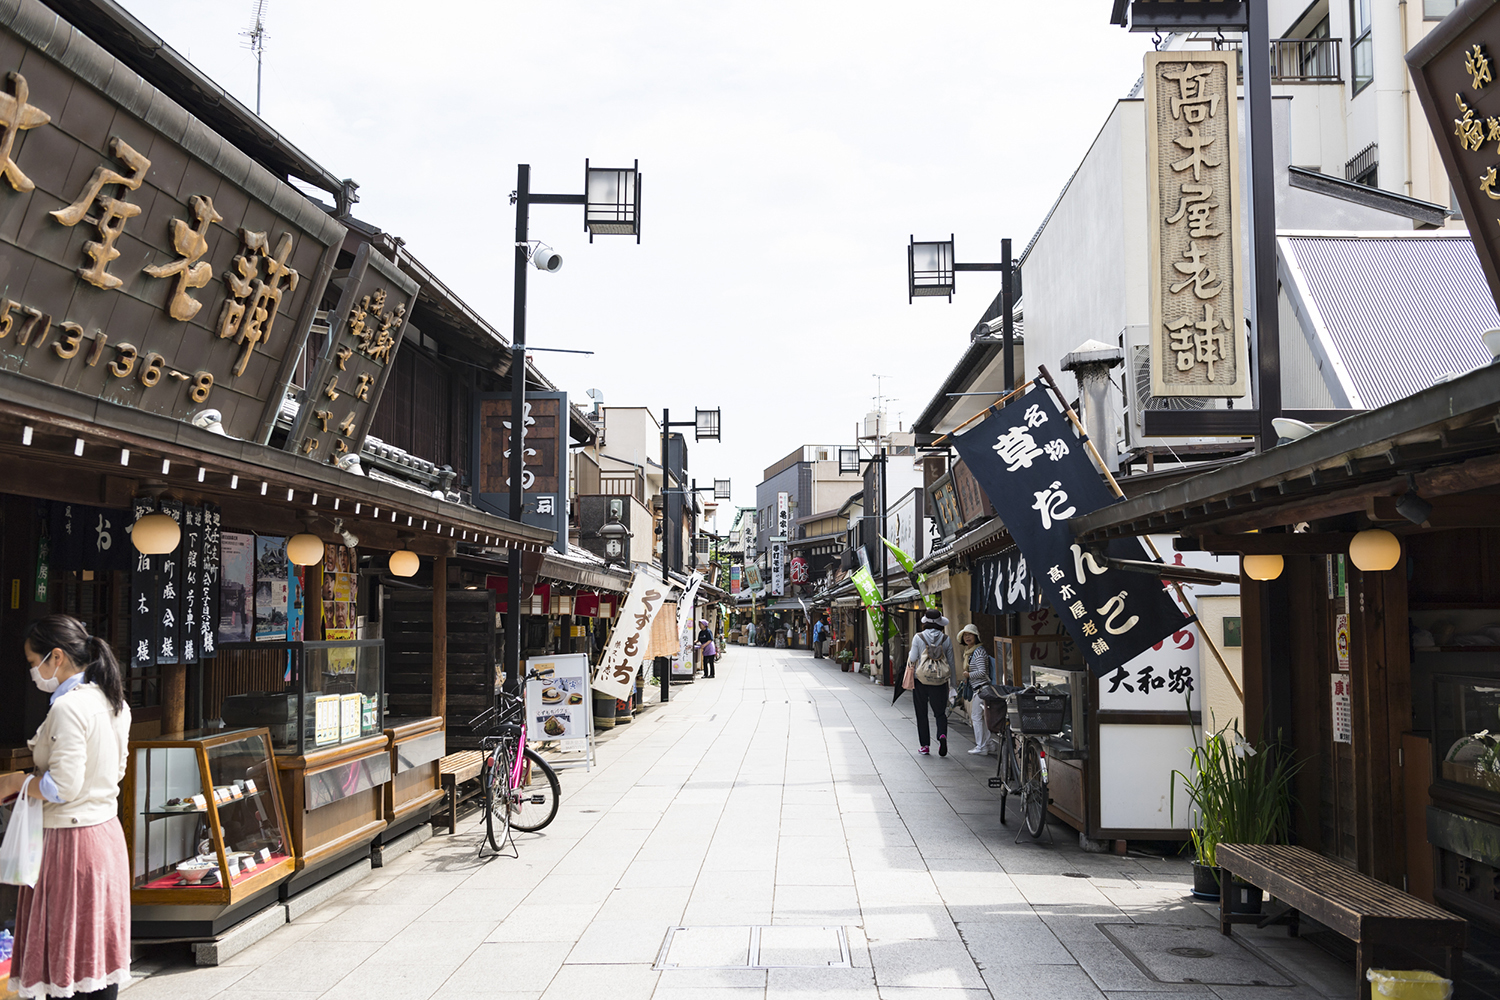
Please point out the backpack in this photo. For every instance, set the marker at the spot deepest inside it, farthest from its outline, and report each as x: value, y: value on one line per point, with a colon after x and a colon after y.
x: 932, y: 668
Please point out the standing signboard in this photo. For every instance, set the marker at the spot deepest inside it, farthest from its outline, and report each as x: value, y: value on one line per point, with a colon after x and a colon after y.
x: 159, y: 267
x: 364, y: 333
x: 615, y: 674
x: 778, y: 544
x: 558, y: 707
x: 544, y: 460
x: 1193, y: 204
x: 1036, y: 472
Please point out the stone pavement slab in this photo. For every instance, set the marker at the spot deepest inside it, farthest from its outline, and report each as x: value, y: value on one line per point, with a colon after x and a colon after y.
x: 782, y: 793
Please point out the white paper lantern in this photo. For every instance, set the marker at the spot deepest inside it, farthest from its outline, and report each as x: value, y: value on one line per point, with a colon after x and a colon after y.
x: 404, y: 563
x: 304, y: 549
x: 156, y: 534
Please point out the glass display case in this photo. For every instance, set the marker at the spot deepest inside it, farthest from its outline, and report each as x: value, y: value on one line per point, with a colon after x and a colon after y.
x: 309, y: 695
x: 205, y: 822
x: 1466, y: 730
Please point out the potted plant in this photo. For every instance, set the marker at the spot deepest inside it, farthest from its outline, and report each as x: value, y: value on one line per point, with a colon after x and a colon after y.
x: 845, y: 658
x: 1242, y: 794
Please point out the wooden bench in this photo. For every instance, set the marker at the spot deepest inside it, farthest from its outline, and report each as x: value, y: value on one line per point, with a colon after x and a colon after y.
x: 455, y: 771
x: 1369, y: 913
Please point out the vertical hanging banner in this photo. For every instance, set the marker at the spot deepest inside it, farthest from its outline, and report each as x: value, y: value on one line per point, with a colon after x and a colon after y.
x: 1193, y: 203
x: 778, y: 544
x: 143, y: 593
x: 615, y: 674
x: 1002, y: 585
x: 169, y: 594
x: 1037, y: 473
x: 208, y: 584
x: 192, y: 573
x: 543, y: 465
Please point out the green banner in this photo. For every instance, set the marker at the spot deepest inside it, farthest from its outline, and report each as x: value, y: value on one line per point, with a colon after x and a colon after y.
x: 917, y: 579
x: 881, y: 625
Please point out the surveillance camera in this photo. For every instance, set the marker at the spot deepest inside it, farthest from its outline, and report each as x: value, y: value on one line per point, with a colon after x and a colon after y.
x: 350, y: 463
x: 211, y: 421
x: 544, y: 258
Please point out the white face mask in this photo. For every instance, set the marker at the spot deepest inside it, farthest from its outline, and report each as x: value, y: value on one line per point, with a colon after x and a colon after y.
x: 45, y: 684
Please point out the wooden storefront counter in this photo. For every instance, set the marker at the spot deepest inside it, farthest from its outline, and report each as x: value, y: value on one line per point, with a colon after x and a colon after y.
x: 416, y: 746
x: 335, y: 798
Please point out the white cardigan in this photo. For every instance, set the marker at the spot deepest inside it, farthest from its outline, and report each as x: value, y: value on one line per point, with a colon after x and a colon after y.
x: 84, y: 745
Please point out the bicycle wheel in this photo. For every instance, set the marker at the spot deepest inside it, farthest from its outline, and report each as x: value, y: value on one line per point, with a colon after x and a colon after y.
x: 1033, y: 791
x: 535, y: 799
x: 496, y: 780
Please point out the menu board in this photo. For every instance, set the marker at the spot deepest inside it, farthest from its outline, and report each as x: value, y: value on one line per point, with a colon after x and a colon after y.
x: 326, y: 719
x: 350, y: 710
x: 557, y: 702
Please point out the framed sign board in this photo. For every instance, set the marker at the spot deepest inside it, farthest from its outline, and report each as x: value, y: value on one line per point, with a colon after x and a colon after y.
x: 544, y: 462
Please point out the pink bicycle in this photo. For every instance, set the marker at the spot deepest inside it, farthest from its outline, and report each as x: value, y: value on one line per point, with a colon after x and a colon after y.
x: 521, y: 791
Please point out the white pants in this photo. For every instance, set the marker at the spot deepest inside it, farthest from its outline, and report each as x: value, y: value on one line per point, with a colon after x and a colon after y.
x: 976, y: 713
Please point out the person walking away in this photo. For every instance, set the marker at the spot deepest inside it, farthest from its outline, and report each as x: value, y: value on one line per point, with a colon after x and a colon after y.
x: 710, y: 650
x: 977, y: 661
x: 73, y: 927
x: 929, y: 668
x: 820, y: 629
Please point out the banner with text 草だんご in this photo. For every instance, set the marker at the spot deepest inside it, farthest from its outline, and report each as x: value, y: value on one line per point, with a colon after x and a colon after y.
x: 1037, y: 474
x: 615, y: 674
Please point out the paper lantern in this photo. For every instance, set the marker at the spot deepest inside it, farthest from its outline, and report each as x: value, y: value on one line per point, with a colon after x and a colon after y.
x: 304, y: 549
x: 1375, y: 550
x: 156, y: 534
x: 1263, y: 567
x: 404, y: 563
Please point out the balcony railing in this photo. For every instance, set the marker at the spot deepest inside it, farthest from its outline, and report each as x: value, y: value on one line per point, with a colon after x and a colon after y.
x: 1298, y: 60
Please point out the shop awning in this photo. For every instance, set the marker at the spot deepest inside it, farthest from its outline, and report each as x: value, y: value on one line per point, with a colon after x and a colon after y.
x: 571, y: 569
x: 1446, y: 437
x: 911, y: 595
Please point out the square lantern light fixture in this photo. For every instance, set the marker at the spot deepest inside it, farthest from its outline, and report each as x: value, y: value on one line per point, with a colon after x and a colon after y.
x: 612, y: 201
x: 706, y: 425
x: 848, y: 460
x: 929, y: 268
x: 721, y: 489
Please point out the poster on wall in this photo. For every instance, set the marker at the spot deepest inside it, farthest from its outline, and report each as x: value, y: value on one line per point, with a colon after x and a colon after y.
x: 326, y: 719
x: 236, y: 586
x: 1162, y: 679
x: 270, y: 588
x: 1342, y: 705
x: 339, y: 593
x: 295, y: 616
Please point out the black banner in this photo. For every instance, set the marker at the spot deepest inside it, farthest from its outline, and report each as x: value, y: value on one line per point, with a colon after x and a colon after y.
x: 208, y: 585
x: 143, y: 596
x: 169, y: 596
x: 91, y: 538
x: 192, y: 569
x: 1037, y: 474
x: 1002, y: 585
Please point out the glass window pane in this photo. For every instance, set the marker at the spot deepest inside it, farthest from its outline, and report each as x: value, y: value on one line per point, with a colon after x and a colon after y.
x: 171, y: 812
x: 1363, y: 59
x: 1435, y: 10
x: 243, y: 778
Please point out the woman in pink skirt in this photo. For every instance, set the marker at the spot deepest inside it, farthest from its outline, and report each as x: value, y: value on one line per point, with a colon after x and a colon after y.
x: 73, y: 928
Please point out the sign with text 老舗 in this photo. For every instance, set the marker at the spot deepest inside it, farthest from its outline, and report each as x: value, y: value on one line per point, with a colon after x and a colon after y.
x: 543, y: 464
x: 1193, y: 204
x: 1036, y: 472
x: 1454, y: 74
x: 363, y: 336
x: 615, y: 674
x: 148, y: 262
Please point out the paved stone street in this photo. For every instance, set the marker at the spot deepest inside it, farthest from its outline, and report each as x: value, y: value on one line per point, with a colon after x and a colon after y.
x: 784, y: 792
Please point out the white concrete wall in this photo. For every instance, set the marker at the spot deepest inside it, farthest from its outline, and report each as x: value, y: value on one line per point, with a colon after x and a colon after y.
x: 1220, y: 704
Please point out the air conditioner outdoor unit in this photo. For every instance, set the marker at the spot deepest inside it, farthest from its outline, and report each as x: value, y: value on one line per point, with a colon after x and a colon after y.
x: 1138, y: 397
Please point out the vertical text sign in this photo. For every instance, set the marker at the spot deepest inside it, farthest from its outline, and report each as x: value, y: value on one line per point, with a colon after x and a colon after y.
x: 1193, y: 197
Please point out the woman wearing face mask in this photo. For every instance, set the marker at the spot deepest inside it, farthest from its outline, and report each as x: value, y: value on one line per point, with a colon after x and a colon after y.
x: 73, y: 928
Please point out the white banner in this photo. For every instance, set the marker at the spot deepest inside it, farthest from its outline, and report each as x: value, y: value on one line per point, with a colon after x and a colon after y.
x: 685, y: 613
x: 615, y: 674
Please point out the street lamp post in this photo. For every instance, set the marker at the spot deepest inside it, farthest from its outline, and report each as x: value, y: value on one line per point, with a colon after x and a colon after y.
x: 850, y: 461
x: 705, y: 424
x: 931, y: 271
x: 611, y: 205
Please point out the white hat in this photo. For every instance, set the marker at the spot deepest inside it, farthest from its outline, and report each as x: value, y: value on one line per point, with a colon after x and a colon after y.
x: 969, y: 629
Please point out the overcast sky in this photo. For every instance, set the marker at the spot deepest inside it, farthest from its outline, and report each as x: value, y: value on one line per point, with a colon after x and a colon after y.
x: 788, y: 151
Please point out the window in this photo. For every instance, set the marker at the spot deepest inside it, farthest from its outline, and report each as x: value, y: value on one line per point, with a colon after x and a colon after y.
x: 1436, y: 10
x: 1361, y: 49
x: 1364, y: 167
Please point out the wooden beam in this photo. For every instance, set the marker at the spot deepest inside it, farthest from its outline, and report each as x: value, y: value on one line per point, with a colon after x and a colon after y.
x: 440, y: 637
x: 1278, y: 543
x: 1457, y: 510
x: 173, y: 697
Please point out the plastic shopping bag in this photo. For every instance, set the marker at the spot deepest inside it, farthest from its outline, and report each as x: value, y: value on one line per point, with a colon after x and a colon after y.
x: 21, y: 851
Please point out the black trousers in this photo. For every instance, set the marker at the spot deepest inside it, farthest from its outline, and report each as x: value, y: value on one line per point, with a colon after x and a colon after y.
x: 709, y: 662
x: 934, y: 696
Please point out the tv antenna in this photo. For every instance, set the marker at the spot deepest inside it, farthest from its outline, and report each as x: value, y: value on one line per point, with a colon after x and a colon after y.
x: 255, y: 37
x: 880, y: 398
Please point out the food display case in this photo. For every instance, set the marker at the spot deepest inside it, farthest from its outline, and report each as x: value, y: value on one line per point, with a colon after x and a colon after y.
x: 310, y: 695
x: 206, y: 829
x: 417, y: 745
x: 1466, y: 732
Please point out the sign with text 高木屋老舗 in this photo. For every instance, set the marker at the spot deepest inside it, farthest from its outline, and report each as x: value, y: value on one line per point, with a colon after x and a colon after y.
x: 364, y: 333
x: 1454, y: 76
x: 1037, y: 473
x: 148, y: 261
x: 1193, y: 209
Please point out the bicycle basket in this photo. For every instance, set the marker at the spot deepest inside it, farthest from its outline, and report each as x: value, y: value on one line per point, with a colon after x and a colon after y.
x: 1036, y: 713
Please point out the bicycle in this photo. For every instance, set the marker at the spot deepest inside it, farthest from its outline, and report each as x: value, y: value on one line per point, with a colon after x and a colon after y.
x: 1021, y: 770
x: 521, y: 790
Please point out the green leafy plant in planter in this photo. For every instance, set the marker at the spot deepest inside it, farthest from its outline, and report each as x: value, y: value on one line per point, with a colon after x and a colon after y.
x: 845, y: 657
x: 1242, y: 794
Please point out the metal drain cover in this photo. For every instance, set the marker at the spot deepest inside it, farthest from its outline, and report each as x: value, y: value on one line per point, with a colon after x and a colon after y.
x: 757, y: 946
x: 1193, y: 954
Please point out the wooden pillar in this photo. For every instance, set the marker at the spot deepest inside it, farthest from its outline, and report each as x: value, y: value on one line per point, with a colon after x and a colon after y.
x: 173, y: 697
x: 440, y: 636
